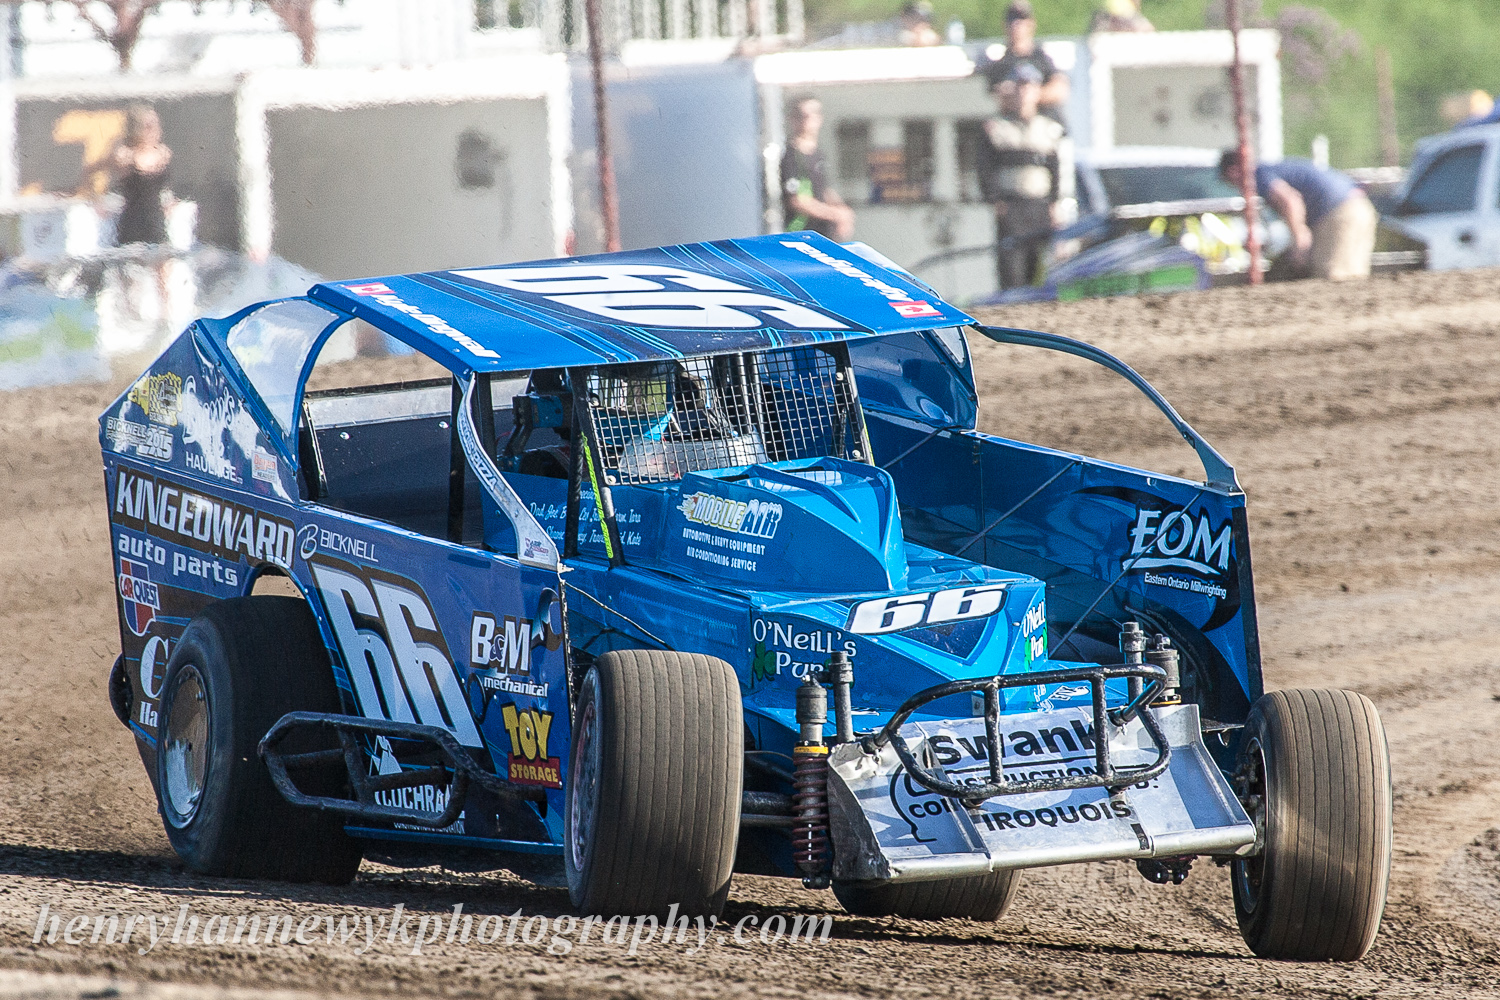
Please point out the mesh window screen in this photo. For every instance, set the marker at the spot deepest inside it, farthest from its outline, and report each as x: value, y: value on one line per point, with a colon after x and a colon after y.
x: 656, y: 421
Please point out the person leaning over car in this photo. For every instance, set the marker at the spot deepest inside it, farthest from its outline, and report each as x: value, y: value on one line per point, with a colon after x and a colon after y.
x: 1021, y: 170
x: 1332, y: 222
x: 807, y: 202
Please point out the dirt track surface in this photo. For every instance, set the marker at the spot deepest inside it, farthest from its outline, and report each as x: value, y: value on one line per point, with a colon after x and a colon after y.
x: 1364, y: 421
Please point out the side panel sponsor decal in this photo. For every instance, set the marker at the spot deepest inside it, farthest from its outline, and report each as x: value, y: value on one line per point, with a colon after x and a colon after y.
x: 146, y: 440
x: 395, y: 654
x: 176, y: 513
x: 140, y: 597
x: 756, y: 518
x: 158, y: 396
x: 530, y: 732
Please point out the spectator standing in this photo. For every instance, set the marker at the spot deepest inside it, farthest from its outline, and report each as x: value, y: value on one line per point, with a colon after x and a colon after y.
x: 1120, y: 15
x: 807, y: 201
x: 1332, y: 222
x: 1021, y: 48
x: 1021, y: 169
x: 140, y: 168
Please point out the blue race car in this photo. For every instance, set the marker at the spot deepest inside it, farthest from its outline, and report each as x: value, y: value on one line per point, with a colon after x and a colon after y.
x: 695, y: 563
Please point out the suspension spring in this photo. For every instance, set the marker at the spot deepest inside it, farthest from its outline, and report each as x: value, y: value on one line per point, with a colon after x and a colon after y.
x: 810, y: 835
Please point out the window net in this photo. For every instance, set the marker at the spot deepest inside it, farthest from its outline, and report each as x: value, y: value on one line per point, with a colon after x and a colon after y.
x: 656, y: 421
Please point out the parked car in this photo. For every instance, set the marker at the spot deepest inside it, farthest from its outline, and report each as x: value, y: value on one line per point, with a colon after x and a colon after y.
x: 1449, y: 208
x: 1171, y: 191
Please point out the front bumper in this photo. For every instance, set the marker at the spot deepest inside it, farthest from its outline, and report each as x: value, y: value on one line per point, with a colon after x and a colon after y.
x: 1161, y: 796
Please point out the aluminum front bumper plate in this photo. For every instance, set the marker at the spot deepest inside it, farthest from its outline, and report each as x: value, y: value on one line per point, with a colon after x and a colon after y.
x: 886, y: 826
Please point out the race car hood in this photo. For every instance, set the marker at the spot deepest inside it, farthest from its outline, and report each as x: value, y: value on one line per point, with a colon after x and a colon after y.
x: 954, y: 619
x: 816, y: 549
x: 826, y: 526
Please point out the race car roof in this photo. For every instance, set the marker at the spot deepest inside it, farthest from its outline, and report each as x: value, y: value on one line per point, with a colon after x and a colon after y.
x: 646, y: 305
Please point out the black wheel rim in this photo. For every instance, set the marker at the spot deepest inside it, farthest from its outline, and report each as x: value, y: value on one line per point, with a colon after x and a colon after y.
x: 584, y: 769
x: 1250, y: 872
x: 184, y: 747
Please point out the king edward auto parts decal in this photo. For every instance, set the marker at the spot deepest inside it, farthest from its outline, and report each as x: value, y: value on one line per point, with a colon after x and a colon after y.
x: 175, y: 512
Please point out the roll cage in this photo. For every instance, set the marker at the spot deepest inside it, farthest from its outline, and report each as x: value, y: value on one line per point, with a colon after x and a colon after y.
x: 639, y: 423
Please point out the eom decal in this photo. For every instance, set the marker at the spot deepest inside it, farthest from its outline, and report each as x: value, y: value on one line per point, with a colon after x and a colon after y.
x: 1171, y: 539
x: 530, y: 730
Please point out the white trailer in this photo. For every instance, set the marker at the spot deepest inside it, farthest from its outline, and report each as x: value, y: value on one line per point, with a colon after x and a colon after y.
x: 920, y: 111
x: 343, y: 172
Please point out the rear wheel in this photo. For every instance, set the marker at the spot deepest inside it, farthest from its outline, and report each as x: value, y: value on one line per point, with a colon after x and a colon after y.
x: 654, y: 784
x: 977, y: 897
x: 239, y: 667
x: 1316, y: 777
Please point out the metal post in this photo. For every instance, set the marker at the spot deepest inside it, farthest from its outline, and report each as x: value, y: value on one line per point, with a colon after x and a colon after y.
x: 1385, y: 94
x: 1247, y: 158
x: 609, y: 206
x: 841, y: 676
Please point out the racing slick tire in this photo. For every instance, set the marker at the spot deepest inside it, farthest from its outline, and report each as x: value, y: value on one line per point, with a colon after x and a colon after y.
x: 656, y: 768
x: 240, y: 665
x: 1315, y: 774
x: 977, y: 897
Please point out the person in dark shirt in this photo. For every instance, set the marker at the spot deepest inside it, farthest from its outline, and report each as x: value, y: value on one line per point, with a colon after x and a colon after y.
x: 1021, y: 48
x: 1332, y: 222
x: 807, y: 201
x: 140, y: 164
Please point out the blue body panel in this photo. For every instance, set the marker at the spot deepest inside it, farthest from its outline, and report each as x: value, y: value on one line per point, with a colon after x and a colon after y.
x: 953, y: 555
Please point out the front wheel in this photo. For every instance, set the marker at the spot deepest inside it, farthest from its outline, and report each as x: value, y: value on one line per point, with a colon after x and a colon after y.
x: 654, y: 784
x: 976, y: 897
x: 1316, y: 777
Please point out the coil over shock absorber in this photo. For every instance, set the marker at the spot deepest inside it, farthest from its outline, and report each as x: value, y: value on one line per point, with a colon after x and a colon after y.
x: 810, y: 781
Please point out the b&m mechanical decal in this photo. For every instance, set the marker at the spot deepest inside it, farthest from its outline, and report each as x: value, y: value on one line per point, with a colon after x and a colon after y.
x: 500, y: 650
